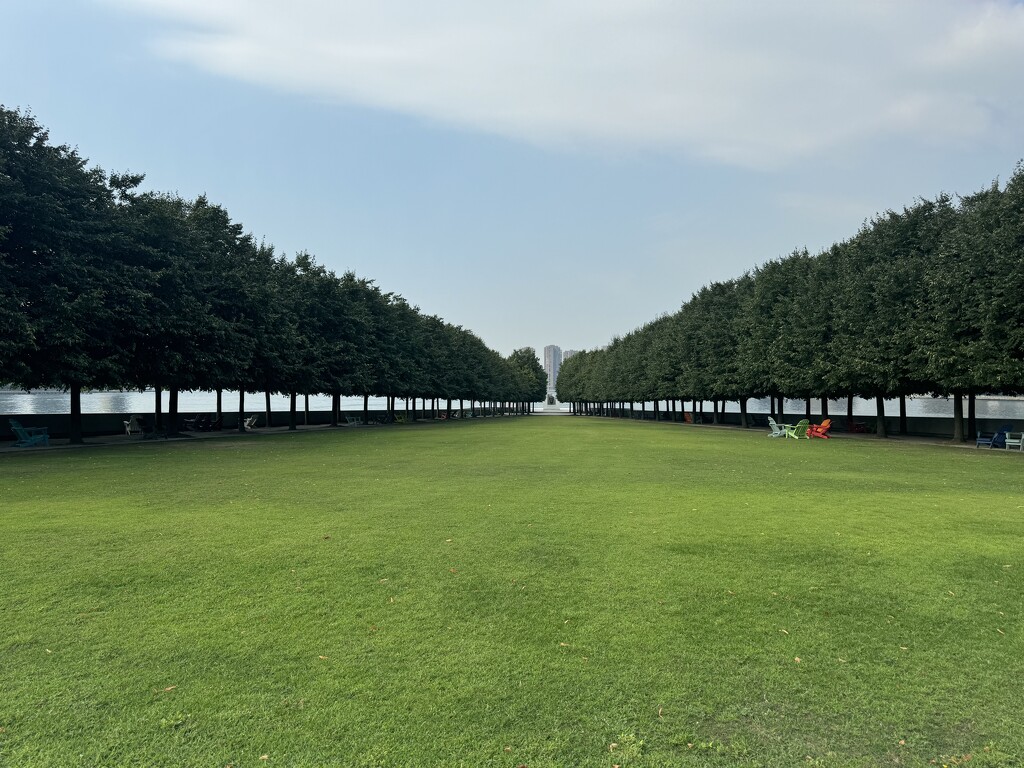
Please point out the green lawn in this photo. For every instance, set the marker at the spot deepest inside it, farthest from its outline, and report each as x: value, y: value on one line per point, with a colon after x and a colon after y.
x: 537, y: 591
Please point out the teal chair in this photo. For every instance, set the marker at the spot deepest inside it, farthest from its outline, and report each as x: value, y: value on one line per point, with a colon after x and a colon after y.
x: 29, y: 436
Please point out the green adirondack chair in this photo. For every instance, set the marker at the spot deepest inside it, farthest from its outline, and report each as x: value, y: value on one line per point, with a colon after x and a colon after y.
x: 798, y: 430
x: 29, y: 436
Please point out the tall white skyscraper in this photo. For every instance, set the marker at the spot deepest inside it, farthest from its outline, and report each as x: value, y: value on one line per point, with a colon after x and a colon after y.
x: 552, y: 362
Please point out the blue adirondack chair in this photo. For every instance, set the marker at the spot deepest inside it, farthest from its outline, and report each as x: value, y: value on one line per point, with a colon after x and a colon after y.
x: 29, y: 436
x: 997, y: 440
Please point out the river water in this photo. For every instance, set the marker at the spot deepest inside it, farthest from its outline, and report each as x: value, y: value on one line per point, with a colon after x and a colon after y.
x: 48, y: 401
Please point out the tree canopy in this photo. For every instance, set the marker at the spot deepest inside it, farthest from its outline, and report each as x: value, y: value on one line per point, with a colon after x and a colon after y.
x: 104, y: 286
x: 920, y: 301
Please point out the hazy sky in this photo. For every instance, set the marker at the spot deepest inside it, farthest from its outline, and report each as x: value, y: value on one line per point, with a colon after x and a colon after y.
x: 540, y: 173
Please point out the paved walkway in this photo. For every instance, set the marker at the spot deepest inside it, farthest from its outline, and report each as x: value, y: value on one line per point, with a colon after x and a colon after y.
x: 6, y: 447
x: 122, y: 439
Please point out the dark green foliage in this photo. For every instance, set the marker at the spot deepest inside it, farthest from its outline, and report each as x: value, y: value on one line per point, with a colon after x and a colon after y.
x: 927, y: 300
x: 102, y: 286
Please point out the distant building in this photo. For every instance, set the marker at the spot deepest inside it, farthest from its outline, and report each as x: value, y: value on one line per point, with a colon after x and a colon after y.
x: 552, y: 362
x: 568, y: 353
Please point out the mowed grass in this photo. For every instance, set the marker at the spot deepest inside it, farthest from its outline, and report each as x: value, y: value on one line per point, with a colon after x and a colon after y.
x: 534, y: 591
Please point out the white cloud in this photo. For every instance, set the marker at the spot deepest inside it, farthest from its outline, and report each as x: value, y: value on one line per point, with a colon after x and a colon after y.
x: 749, y: 84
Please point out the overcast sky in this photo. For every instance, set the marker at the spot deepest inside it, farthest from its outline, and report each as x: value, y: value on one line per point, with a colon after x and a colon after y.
x: 540, y: 173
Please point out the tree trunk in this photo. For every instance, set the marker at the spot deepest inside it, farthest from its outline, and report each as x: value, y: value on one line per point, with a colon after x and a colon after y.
x: 824, y: 408
x: 849, y: 412
x: 972, y: 419
x: 305, y: 398
x: 293, y: 403
x: 335, y: 407
x: 158, y: 408
x: 366, y: 409
x: 880, y: 414
x: 714, y: 410
x: 958, y: 417
x: 266, y: 403
x: 743, y: 413
x: 448, y: 408
x: 220, y: 410
x: 172, y: 411
x: 241, y: 410
x: 807, y: 408
x: 75, y: 426
x: 903, y: 414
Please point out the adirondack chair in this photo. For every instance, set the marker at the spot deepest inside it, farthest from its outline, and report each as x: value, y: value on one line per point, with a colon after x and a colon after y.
x: 997, y: 440
x: 200, y: 423
x: 798, y: 430
x: 354, y: 421
x: 250, y: 421
x: 778, y: 430
x: 1015, y: 440
x: 147, y: 429
x: 820, y: 430
x: 132, y: 426
x: 29, y: 436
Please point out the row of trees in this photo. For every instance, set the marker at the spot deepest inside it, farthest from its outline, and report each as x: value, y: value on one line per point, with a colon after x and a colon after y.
x: 103, y: 286
x: 929, y: 300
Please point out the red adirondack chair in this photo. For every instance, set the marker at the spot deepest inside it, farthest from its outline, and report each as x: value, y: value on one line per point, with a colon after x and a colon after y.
x: 820, y: 430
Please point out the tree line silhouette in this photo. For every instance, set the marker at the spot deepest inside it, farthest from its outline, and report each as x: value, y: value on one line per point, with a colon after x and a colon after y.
x: 104, y: 286
x: 925, y: 301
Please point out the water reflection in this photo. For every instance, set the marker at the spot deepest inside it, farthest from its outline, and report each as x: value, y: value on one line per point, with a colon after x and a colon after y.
x: 49, y: 401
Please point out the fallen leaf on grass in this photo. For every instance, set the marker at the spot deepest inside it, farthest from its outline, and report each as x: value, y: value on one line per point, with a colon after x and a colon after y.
x: 322, y: 658
x: 264, y: 757
x: 452, y: 570
x: 842, y: 660
x: 508, y: 749
x: 797, y: 659
x: 904, y: 648
x: 659, y: 714
x: 564, y: 645
x: 170, y: 688
x: 613, y: 746
x: 1000, y: 631
x: 783, y: 631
